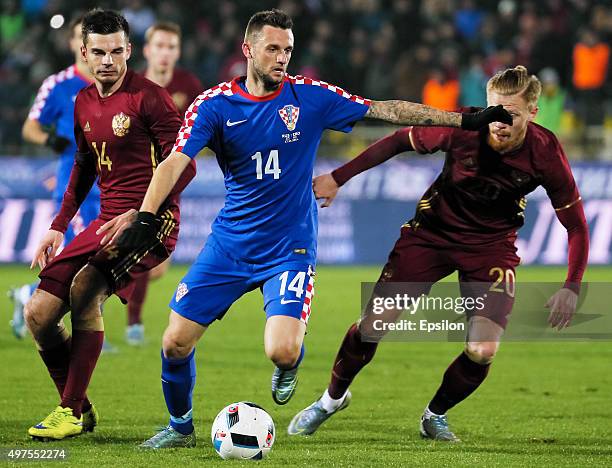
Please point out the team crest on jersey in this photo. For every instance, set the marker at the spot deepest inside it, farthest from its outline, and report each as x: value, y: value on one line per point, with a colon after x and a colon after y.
x: 87, y: 127
x: 121, y: 124
x: 290, y: 115
x: 181, y: 291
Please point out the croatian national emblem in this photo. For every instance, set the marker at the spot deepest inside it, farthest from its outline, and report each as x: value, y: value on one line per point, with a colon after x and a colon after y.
x: 290, y: 115
x: 181, y: 291
x: 121, y: 124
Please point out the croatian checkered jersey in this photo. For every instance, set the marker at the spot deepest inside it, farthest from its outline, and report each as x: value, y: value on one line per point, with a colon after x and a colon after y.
x: 266, y: 147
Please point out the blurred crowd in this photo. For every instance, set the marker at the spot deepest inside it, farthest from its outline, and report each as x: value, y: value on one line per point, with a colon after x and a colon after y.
x: 440, y: 52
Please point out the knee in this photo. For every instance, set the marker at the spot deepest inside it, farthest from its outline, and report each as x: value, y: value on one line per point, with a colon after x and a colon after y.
x: 44, y: 320
x: 176, y: 346
x: 284, y: 354
x: 33, y: 318
x: 482, y: 352
x: 88, y: 291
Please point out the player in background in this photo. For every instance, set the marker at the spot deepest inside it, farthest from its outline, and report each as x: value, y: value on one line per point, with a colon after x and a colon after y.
x: 162, y: 51
x: 265, y: 129
x: 51, y: 123
x: 124, y: 126
x: 466, y: 221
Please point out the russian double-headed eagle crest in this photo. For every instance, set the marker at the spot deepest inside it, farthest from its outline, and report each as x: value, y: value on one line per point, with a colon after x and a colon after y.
x: 121, y: 124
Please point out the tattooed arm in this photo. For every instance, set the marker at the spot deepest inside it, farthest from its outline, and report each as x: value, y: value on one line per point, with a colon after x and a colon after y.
x: 410, y: 113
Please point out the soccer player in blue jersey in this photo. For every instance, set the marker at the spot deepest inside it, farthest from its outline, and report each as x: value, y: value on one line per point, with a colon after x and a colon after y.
x: 51, y: 123
x: 265, y: 129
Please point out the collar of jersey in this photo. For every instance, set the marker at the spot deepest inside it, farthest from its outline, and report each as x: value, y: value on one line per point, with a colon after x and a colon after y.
x: 80, y: 75
x: 237, y: 89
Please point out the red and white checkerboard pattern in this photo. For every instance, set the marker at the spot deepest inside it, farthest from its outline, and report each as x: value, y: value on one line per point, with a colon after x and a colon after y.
x: 299, y: 80
x: 307, y: 300
x: 45, y: 90
x: 290, y: 119
x: 192, y: 112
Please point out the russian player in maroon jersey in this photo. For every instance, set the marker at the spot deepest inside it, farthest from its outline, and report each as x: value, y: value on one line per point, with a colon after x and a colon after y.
x: 124, y: 126
x: 465, y: 222
x: 162, y: 51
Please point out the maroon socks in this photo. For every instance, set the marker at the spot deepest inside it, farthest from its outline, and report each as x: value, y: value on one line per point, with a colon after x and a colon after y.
x: 86, y: 348
x: 57, y: 360
x: 461, y: 378
x: 136, y: 300
x: 352, y: 356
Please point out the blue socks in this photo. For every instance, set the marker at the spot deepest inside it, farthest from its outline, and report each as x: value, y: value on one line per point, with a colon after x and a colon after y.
x: 178, y: 380
x: 299, y: 361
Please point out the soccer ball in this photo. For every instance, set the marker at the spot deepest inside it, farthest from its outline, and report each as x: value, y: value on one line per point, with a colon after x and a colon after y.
x: 243, y: 431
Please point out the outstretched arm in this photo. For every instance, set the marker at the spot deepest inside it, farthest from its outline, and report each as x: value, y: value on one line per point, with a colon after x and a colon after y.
x: 375, y: 154
x: 558, y: 180
x: 574, y: 221
x: 326, y: 186
x: 563, y: 303
x: 411, y: 113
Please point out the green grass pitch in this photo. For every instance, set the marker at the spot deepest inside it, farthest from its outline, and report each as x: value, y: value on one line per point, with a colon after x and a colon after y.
x: 544, y: 404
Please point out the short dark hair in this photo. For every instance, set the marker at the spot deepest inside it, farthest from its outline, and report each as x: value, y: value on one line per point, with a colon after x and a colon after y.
x: 167, y: 26
x: 275, y: 18
x: 98, y: 21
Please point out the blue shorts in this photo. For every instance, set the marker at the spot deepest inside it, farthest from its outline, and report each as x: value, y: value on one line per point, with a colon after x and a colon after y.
x: 216, y: 280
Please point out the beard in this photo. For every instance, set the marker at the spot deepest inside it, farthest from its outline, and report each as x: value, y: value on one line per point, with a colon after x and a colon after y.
x: 268, y: 82
x: 508, y: 145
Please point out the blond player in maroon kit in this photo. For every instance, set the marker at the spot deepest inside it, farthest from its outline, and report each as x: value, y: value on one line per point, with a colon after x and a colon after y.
x: 162, y: 51
x: 466, y: 222
x: 124, y: 126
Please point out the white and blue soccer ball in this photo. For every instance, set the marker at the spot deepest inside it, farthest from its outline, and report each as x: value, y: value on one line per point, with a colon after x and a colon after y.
x: 243, y: 431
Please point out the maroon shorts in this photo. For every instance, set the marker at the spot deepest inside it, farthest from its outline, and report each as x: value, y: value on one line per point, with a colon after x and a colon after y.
x: 119, y: 268
x: 421, y: 256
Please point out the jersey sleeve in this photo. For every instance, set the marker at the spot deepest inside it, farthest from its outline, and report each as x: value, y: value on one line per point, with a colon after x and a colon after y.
x: 162, y: 118
x: 198, y: 128
x: 341, y: 110
x: 557, y: 177
x: 82, y: 178
x: 46, y: 108
x: 431, y: 139
x: 79, y: 135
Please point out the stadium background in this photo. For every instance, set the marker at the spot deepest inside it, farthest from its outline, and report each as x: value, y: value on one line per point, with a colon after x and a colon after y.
x: 544, y: 404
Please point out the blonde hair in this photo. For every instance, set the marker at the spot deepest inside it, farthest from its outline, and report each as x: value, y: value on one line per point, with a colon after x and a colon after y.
x: 516, y: 80
x: 166, y: 26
